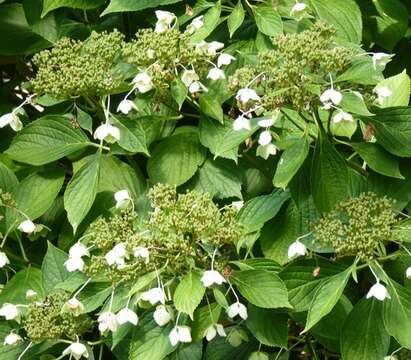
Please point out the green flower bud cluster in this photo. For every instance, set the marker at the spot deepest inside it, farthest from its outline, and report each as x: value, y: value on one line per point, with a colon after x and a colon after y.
x: 47, y: 321
x: 74, y: 68
x: 295, y: 67
x: 357, y: 226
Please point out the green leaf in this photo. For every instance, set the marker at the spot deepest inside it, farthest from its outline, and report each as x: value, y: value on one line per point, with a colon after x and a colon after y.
x: 211, y: 19
x: 236, y: 18
x: 400, y: 90
x: 46, y: 140
x: 291, y: 160
x: 378, y: 159
x: 133, y: 5
x: 211, y: 107
x: 81, y: 191
x: 344, y: 128
x: 361, y: 72
x: 268, y: 20
x: 8, y: 181
x: 49, y: 5
x: 176, y: 159
x: 257, y: 211
x: 84, y: 120
x: 178, y: 91
x: 344, y: 15
x: 261, y: 288
x: 270, y: 328
x: 329, y: 176
x: 326, y: 296
x: 53, y: 269
x: 189, y: 293
x: 354, y: 103
x: 364, y: 335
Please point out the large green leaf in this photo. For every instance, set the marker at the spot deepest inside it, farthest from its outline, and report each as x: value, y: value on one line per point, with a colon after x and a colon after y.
x: 261, y: 288
x: 81, y: 191
x: 47, y: 139
x: 189, y: 293
x: 53, y: 268
x: 211, y: 107
x: 268, y: 20
x: 135, y: 5
x: 236, y: 18
x: 49, y: 5
x: 399, y: 86
x: 361, y: 72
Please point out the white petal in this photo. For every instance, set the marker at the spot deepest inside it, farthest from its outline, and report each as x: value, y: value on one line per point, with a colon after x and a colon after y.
x: 189, y: 76
x: 210, y: 333
x: 212, y: 277
x: 73, y: 264
x: 122, y: 198
x: 379, y: 291
x: 242, y: 311
x: 241, y: 123
x: 9, y: 311
x: 12, y: 339
x: 161, y: 315
x: 224, y: 59
x: 4, y: 260
x: 78, y: 250
x: 154, y: 296
x: 238, y: 204
x: 220, y: 330
x: 6, y: 119
x: 265, y: 138
x: 216, y: 74
x: 296, y: 249
x: 27, y: 226
x: 141, y: 251
x: 232, y: 310
x: 213, y: 47
x: 125, y: 106
x: 174, y: 337
x: 184, y: 334
x: 331, y: 95
x: 265, y: 123
x: 408, y: 273
x: 246, y: 94
x: 127, y: 315
x: 380, y: 59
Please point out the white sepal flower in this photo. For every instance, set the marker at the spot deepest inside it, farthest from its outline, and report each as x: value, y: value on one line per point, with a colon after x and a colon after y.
x: 408, y: 273
x: 107, y: 132
x: 78, y: 250
x: 31, y: 294
x: 382, y: 93
x: 154, y: 296
x: 247, y: 94
x: 27, y: 226
x: 213, y: 330
x: 4, y: 260
x: 188, y: 77
x: 266, y: 150
x: 161, y: 315
x: 224, y: 59
x: 297, y: 248
x: 216, y: 74
x: 342, y: 116
x: 211, y: 277
x: 11, y: 119
x: 265, y: 138
x: 238, y: 204
x: 76, y: 350
x: 266, y: 123
x: 122, y: 198
x: 380, y: 59
x: 213, y: 47
x: 127, y: 315
x: 107, y: 321
x: 330, y: 97
x: 196, y: 24
x: 164, y: 21
x: 237, y: 309
x: 141, y: 251
x: 298, y: 10
x: 12, y: 339
x: 74, y: 305
x: 10, y: 312
x: 73, y: 264
x: 116, y: 255
x: 142, y: 82
x: 180, y: 334
x: 379, y: 291
x: 196, y: 87
x: 126, y: 106
x: 241, y: 123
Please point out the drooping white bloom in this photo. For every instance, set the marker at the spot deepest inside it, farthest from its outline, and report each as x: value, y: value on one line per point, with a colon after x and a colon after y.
x: 266, y: 150
x: 196, y: 24
x: 73, y: 264
x: 76, y: 350
x: 154, y: 296
x: 330, y: 97
x: 213, y: 47
x: 216, y: 74
x: 297, y: 248
x: 12, y: 339
x: 142, y: 82
x: 224, y: 59
x: 342, y: 116
x: 241, y: 123
x: 10, y: 311
x: 122, y: 198
x: 31, y: 294
x: 4, y: 260
x: 408, y: 273
x: 380, y: 59
x: 78, y: 250
x: 237, y: 309
x: 238, y: 204
x: 247, y: 94
x: 164, y: 21
x: 188, y: 77
x: 161, y: 315
x: 265, y: 123
x: 196, y: 87
x: 379, y: 291
x: 27, y: 226
x: 211, y: 277
x: 107, y: 321
x: 127, y: 315
x: 126, y: 106
x: 265, y: 138
x: 382, y: 93
x: 180, y: 334
x: 141, y: 251
x: 11, y: 119
x: 213, y: 330
x: 107, y: 132
x: 298, y: 10
x: 116, y: 255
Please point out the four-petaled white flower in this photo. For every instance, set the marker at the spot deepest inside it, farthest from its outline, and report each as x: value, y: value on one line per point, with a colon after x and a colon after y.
x: 213, y: 330
x: 241, y: 123
x: 107, y: 132
x: 342, y: 116
x: 10, y: 312
x: 237, y: 309
x: 224, y: 59
x: 247, y: 94
x: 107, y: 321
x: 238, y: 204
x: 4, y: 260
x: 265, y: 123
x: 379, y: 291
x: 141, y: 251
x: 380, y: 59
x: 330, y: 97
x: 126, y: 106
x: 265, y: 138
x: 165, y: 19
x: 117, y: 255
x: 73, y: 264
x: 382, y: 93
x: 142, y: 82
x: 216, y: 74
x: 12, y: 339
x: 27, y: 226
x: 76, y: 350
x: 297, y: 248
x: 188, y: 77
x: 180, y: 334
x: 298, y: 10
x: 11, y: 119
x: 122, y: 198
x: 196, y: 24
x: 408, y: 273
x: 78, y: 250
x: 211, y: 277
x: 161, y: 315
x: 127, y: 315
x: 154, y: 296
